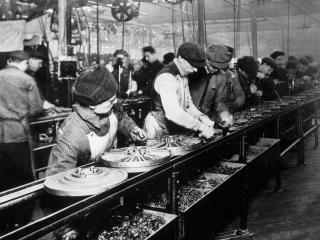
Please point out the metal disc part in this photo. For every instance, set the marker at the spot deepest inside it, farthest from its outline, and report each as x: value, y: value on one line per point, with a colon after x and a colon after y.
x: 84, y: 181
x: 135, y: 159
x: 177, y: 144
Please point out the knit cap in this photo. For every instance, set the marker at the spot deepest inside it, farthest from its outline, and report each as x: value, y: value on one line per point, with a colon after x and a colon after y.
x: 94, y: 87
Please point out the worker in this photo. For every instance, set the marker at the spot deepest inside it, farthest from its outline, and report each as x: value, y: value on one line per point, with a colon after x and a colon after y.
x: 91, y: 129
x: 19, y: 99
x: 173, y: 110
x: 217, y: 93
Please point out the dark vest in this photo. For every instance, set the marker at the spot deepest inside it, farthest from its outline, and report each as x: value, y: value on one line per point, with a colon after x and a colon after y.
x: 156, y: 100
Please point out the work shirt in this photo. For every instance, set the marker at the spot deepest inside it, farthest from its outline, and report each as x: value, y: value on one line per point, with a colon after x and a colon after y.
x: 19, y: 99
x: 173, y: 108
x: 73, y: 147
x: 223, y: 93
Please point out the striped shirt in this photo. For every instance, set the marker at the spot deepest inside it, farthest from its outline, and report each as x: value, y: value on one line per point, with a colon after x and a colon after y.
x: 73, y: 148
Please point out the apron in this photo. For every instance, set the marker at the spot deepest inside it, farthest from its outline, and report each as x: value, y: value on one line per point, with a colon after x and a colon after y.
x: 100, y: 144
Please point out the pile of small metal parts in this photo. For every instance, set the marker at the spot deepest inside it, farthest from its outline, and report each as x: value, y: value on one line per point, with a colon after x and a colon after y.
x: 225, y: 168
x: 191, y: 191
x: 254, y: 151
x: 132, y: 226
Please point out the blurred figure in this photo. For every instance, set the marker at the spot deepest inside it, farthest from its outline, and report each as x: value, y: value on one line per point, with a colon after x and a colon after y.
x: 280, y: 74
x: 150, y: 71
x: 246, y: 72
x: 122, y: 72
x: 304, y: 73
x: 168, y: 58
x: 35, y: 63
x: 109, y: 64
x: 266, y: 85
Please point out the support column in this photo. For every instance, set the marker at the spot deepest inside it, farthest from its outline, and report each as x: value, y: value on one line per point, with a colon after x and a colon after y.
x: 62, y: 9
x: 201, y: 30
x: 254, y: 34
x: 283, y: 38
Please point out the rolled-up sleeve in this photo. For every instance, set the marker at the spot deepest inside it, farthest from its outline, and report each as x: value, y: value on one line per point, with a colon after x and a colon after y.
x: 165, y: 85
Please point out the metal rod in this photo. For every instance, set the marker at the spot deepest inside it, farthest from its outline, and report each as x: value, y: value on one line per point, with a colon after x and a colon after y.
x: 316, y: 133
x: 98, y: 34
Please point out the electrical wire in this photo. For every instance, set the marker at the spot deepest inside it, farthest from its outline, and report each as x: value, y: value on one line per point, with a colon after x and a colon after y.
x: 189, y: 22
x: 172, y: 26
x: 205, y: 25
x: 182, y: 23
x: 193, y: 23
x: 288, y: 30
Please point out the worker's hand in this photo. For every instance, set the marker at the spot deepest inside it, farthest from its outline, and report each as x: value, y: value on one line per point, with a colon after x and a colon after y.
x: 226, y: 118
x: 260, y: 75
x: 306, y: 78
x: 259, y: 93
x: 46, y: 105
x: 253, y: 88
x: 276, y: 82
x: 206, y: 121
x: 137, y: 134
x: 206, y: 132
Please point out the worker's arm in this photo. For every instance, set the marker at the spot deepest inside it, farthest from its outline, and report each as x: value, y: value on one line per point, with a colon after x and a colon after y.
x: 166, y: 86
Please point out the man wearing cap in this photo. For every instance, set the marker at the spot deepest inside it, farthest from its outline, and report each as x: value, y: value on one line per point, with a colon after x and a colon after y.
x: 122, y: 73
x: 280, y: 75
x: 173, y: 110
x: 264, y: 82
x: 218, y: 92
x: 91, y: 129
x: 35, y: 63
x: 19, y: 99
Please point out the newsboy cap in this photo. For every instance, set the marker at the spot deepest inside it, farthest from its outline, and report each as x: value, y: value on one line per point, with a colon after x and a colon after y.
x: 192, y: 53
x: 19, y: 55
x: 219, y: 56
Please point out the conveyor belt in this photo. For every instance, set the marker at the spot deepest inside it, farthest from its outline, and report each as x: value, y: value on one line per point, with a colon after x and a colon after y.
x: 80, y: 207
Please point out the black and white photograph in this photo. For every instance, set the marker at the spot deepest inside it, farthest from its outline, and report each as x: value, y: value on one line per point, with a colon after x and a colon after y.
x: 159, y: 119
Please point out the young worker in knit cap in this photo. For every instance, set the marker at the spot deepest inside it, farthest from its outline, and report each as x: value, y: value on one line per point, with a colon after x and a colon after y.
x: 91, y: 129
x: 173, y: 110
x: 218, y: 92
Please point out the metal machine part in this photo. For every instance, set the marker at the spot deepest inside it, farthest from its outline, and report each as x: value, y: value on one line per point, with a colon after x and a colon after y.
x: 84, y: 181
x: 176, y: 144
x: 135, y: 159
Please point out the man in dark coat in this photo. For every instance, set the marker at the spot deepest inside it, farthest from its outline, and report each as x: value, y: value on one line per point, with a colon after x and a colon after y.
x: 148, y: 74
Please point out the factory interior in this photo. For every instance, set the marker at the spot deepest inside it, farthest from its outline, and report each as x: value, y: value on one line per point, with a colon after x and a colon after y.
x: 159, y: 119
